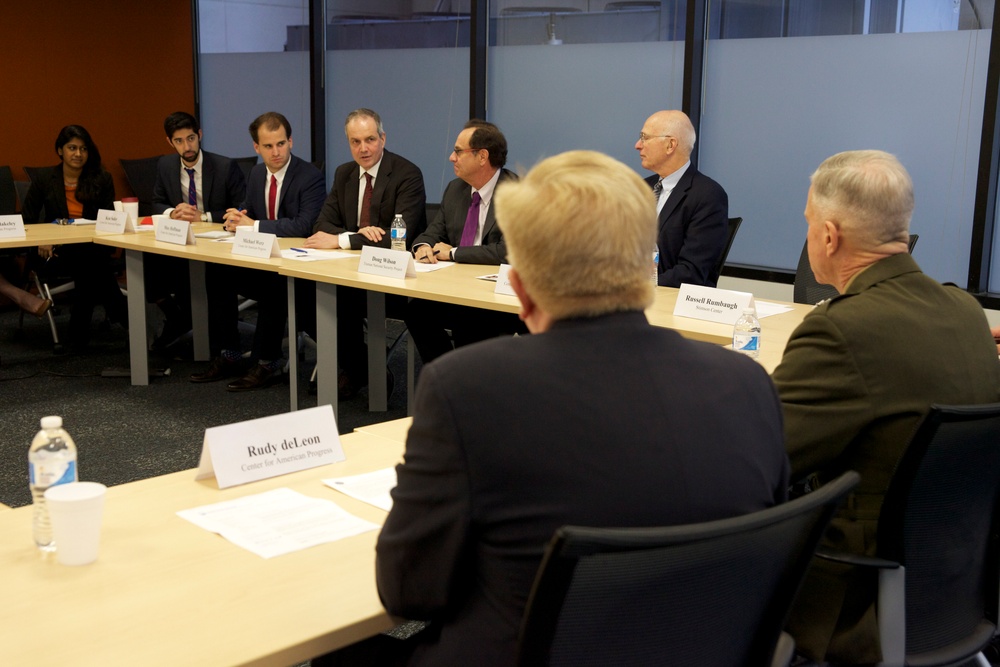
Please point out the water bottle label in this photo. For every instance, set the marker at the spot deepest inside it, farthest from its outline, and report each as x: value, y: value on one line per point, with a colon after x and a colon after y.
x: 747, y: 343
x: 51, y: 473
x: 398, y: 234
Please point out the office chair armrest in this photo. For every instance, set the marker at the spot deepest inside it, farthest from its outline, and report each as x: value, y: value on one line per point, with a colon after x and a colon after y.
x: 891, y: 602
x: 857, y: 560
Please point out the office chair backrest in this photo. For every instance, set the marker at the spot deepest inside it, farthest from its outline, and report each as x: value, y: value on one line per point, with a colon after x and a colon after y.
x: 141, y: 177
x: 709, y: 594
x: 807, y: 290
x: 734, y: 226
x: 32, y: 172
x: 246, y: 164
x: 939, y: 521
x: 8, y: 195
x: 21, y: 187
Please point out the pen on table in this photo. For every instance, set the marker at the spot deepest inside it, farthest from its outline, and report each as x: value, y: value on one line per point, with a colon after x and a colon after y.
x: 299, y: 250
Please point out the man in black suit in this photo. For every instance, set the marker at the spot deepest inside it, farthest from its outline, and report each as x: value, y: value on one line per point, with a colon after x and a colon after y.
x: 464, y: 230
x: 367, y: 194
x: 284, y: 196
x: 693, y: 209
x: 193, y: 185
x: 598, y: 419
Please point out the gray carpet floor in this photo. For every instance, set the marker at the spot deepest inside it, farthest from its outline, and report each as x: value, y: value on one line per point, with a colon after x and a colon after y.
x: 125, y: 433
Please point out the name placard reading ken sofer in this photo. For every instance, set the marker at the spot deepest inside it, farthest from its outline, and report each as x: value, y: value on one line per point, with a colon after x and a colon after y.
x: 270, y: 446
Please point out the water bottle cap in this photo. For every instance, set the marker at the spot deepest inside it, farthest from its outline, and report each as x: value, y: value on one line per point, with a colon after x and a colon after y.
x: 53, y: 421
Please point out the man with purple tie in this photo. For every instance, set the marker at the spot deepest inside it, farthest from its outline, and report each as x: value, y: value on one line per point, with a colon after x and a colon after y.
x: 464, y: 230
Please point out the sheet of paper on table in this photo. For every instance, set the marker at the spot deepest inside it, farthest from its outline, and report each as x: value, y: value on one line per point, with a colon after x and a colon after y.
x: 370, y: 487
x: 766, y: 309
x: 277, y: 522
x: 314, y: 255
x: 427, y: 268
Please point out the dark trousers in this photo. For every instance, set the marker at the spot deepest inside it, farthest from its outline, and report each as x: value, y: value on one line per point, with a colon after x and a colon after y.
x: 429, y: 320
x: 168, y: 279
x: 268, y: 289
x: 89, y: 265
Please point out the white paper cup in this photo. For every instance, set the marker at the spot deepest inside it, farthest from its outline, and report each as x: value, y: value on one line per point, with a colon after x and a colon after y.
x: 75, y: 510
x: 131, y: 206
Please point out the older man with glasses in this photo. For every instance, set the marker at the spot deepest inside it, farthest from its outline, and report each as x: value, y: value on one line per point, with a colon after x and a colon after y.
x: 692, y: 209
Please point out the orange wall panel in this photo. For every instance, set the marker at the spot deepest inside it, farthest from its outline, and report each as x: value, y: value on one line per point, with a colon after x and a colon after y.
x: 117, y: 67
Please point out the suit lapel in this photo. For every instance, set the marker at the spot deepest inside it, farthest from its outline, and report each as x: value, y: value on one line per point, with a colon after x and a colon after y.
x: 677, y: 195
x: 378, y: 192
x: 207, y: 177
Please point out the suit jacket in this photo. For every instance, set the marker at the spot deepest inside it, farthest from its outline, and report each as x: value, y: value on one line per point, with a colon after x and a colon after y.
x: 299, y: 200
x: 222, y: 184
x: 399, y: 188
x: 515, y: 437
x: 47, y: 194
x: 448, y: 224
x: 692, y: 230
x: 856, y: 377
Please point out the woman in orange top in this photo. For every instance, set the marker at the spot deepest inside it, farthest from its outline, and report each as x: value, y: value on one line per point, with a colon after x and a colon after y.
x: 77, y: 188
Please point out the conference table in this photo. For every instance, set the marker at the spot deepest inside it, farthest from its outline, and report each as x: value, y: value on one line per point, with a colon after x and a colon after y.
x: 456, y: 283
x: 49, y: 234
x: 166, y: 592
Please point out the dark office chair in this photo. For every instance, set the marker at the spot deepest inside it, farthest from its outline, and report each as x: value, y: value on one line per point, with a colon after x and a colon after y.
x: 21, y: 188
x: 8, y: 193
x: 937, y: 541
x: 321, y: 165
x: 246, y: 164
x: 709, y: 594
x: 807, y: 290
x: 734, y: 226
x: 141, y: 177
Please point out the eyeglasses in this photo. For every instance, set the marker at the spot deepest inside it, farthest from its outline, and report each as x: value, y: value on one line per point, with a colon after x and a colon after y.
x: 459, y: 151
x: 643, y: 137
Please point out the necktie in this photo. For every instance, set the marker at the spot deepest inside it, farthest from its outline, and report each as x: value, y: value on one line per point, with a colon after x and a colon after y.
x: 272, y: 196
x: 658, y: 190
x: 192, y: 191
x: 366, y: 203
x: 471, y: 222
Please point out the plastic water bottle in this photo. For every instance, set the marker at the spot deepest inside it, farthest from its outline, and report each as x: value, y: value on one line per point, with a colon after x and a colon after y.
x: 398, y: 233
x: 655, y: 275
x: 51, y: 461
x: 746, y: 334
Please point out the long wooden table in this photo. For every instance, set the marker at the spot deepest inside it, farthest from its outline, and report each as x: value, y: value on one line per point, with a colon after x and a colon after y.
x: 456, y: 284
x: 49, y: 234
x: 166, y: 592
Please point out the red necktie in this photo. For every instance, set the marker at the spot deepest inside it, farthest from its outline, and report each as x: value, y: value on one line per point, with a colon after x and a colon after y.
x: 471, y: 222
x: 366, y: 204
x: 272, y: 196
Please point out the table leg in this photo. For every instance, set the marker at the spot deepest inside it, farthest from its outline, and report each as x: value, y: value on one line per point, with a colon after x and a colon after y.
x: 293, y: 349
x: 199, y: 311
x: 326, y: 344
x: 138, y: 356
x: 377, y: 389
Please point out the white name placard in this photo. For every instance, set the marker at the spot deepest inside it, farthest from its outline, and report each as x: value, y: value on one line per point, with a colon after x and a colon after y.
x: 385, y: 262
x: 503, y: 281
x: 270, y: 446
x: 255, y: 244
x: 12, y: 227
x: 712, y: 304
x: 114, y: 222
x: 175, y: 231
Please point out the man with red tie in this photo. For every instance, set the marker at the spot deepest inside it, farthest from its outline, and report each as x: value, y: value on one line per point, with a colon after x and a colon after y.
x: 464, y: 230
x: 284, y: 197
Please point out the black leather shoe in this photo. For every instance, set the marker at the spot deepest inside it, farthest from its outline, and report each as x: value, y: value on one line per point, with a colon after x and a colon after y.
x: 258, y: 378
x: 219, y: 369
